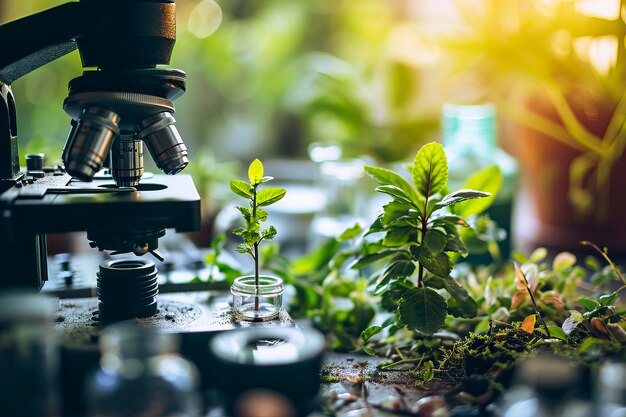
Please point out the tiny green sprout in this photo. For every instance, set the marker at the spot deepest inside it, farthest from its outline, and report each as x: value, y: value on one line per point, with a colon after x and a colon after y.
x: 253, y: 215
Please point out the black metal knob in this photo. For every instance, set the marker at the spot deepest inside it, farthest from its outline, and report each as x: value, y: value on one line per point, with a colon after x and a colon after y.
x: 34, y: 161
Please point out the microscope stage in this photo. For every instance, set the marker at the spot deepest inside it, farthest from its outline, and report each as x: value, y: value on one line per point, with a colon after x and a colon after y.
x: 181, y: 313
x: 57, y: 203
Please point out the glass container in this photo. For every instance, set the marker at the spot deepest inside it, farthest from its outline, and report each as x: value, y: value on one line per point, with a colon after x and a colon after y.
x: 341, y: 182
x: 254, y: 303
x: 611, y: 390
x: 469, y: 139
x: 29, y: 356
x: 141, y: 374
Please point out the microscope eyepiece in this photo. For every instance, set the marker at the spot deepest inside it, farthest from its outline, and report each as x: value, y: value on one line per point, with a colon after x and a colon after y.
x: 164, y: 143
x: 89, y: 145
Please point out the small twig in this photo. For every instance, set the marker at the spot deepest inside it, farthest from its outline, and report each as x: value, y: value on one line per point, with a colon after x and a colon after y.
x: 399, y: 353
x: 605, y: 254
x: 519, y: 271
x: 403, y: 361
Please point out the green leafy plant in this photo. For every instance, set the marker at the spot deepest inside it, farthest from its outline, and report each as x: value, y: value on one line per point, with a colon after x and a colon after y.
x: 418, y: 232
x: 254, y: 215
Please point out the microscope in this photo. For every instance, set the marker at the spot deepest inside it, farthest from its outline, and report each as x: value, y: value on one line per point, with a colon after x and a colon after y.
x: 121, y: 103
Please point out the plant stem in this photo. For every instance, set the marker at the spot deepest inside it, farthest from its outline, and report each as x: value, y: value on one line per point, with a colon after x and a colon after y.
x: 420, y: 275
x: 256, y: 256
x: 400, y: 362
x: 532, y: 298
x: 605, y: 255
x: 256, y: 276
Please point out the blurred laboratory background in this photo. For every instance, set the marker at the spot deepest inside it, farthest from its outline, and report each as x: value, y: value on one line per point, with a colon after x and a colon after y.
x: 528, y: 85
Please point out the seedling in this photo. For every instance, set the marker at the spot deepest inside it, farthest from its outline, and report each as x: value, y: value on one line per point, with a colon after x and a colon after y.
x: 254, y: 215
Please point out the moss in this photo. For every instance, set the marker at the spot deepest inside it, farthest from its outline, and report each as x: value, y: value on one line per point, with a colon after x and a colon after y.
x: 477, y: 359
x: 329, y: 379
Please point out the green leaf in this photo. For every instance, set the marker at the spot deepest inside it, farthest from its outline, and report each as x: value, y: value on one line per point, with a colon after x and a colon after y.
x: 396, y: 237
x: 538, y: 255
x: 394, y: 210
x: 396, y: 270
x: 438, y: 264
x: 369, y: 332
x: 269, y: 196
x: 369, y: 351
x: 397, y: 193
x: 589, y: 304
x: 430, y: 169
x: 255, y: 172
x: 563, y: 261
x: 241, y: 188
x: 316, y: 259
x: 269, y: 233
x: 246, y: 212
x: 422, y: 309
x: 261, y: 215
x: 556, y: 331
x: 386, y: 177
x: 608, y: 299
x: 488, y: 180
x: 592, y: 263
x: 375, y: 227
x: 593, y: 343
x: 350, y: 233
x: 428, y: 371
x: 435, y: 241
x: 459, y: 196
x: 369, y: 259
x: 455, y: 244
x: 447, y: 218
x: 242, y: 248
x: 250, y: 238
x: 460, y: 304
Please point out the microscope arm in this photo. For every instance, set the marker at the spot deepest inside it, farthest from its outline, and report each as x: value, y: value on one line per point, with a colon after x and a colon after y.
x: 108, y: 34
x: 36, y: 40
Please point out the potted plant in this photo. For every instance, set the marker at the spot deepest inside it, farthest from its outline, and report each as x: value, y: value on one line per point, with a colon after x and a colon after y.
x: 256, y: 297
x: 556, y: 70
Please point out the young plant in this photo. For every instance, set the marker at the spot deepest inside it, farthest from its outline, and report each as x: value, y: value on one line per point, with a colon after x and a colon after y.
x: 420, y: 230
x: 254, y: 215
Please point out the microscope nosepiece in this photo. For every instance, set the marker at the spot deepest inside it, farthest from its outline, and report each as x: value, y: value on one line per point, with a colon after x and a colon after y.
x: 164, y: 143
x: 90, y: 141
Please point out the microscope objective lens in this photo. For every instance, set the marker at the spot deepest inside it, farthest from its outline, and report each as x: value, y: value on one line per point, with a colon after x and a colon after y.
x: 95, y: 132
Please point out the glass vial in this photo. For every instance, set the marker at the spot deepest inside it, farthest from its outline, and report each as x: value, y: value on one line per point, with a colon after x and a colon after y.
x: 141, y: 374
x: 469, y: 139
x: 28, y: 356
x: 611, y: 390
x: 257, y: 304
x: 341, y: 181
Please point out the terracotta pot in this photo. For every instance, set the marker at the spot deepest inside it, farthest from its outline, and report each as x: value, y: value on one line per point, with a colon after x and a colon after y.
x: 544, y: 215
